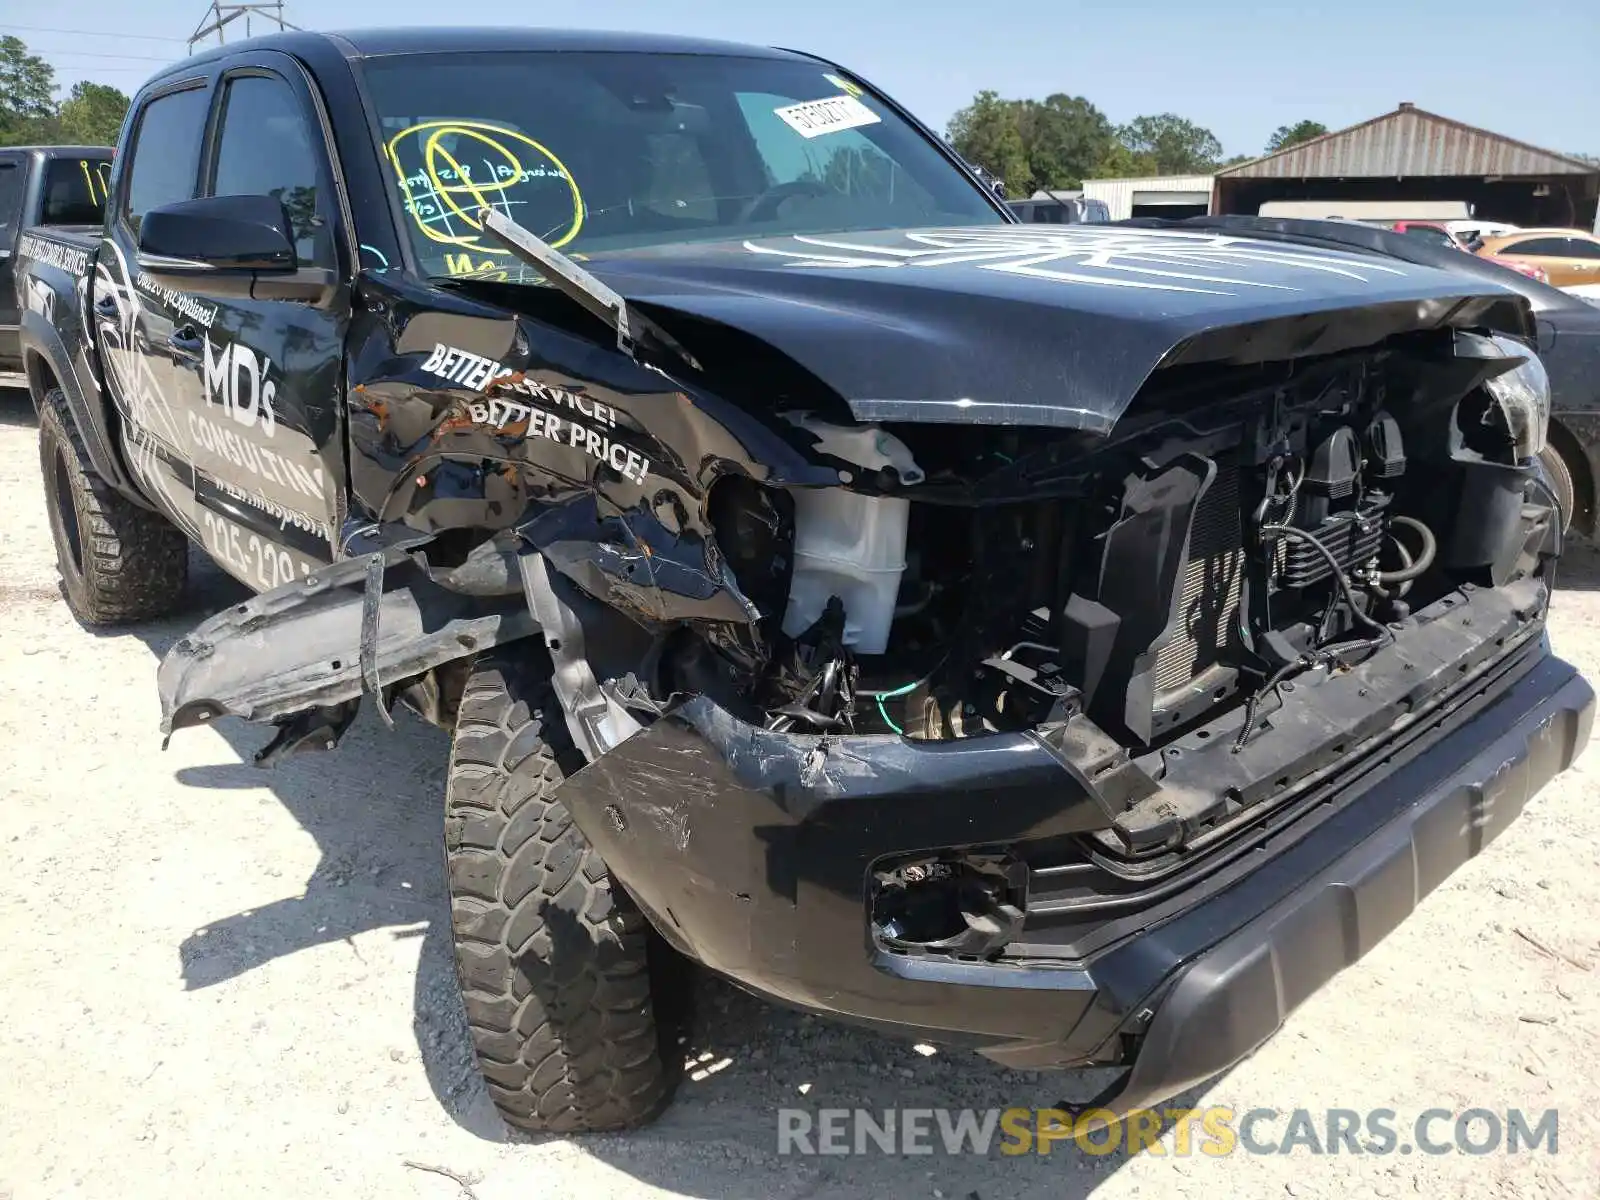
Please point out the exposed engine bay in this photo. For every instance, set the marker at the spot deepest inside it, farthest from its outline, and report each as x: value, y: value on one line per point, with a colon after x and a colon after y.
x: 1139, y: 587
x: 1234, y: 532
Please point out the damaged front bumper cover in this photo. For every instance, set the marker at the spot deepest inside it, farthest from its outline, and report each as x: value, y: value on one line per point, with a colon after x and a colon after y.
x: 302, y: 656
x: 757, y: 853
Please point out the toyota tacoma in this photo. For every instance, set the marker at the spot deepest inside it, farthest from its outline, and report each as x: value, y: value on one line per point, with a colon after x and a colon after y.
x: 1074, y: 643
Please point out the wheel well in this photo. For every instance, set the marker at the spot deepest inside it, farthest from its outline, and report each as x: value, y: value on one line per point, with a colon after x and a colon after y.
x: 41, y: 378
x: 1572, y: 453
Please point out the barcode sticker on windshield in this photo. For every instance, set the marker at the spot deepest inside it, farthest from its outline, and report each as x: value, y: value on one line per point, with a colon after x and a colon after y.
x: 817, y: 117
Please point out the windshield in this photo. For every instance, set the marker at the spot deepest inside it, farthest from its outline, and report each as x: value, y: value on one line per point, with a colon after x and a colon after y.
x: 595, y: 152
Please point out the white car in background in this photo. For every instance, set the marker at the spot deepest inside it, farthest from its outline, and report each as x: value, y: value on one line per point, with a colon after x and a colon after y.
x: 1471, y: 231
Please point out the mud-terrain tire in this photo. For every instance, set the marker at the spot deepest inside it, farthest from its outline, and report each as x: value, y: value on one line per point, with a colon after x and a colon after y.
x: 119, y: 563
x: 1559, y: 475
x: 554, y: 959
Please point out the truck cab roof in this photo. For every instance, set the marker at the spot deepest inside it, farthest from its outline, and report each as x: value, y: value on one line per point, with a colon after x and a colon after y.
x: 64, y: 151
x: 375, y: 43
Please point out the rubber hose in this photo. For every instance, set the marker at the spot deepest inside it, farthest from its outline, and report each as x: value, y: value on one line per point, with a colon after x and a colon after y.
x: 1339, y: 577
x: 1405, y: 563
x: 1424, y: 560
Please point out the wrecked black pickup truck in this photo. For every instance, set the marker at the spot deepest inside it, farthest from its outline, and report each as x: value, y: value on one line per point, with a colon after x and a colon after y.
x: 1072, y: 643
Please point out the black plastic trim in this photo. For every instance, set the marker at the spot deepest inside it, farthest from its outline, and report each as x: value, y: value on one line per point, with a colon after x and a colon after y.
x: 1230, y: 999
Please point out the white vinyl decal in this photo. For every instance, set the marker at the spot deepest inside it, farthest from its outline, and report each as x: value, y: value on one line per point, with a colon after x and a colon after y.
x: 237, y: 385
x: 185, y: 305
x: 1165, y: 260
x: 150, y: 416
x: 250, y: 558
x: 63, y: 258
x: 241, y: 384
x: 505, y: 415
x: 817, y: 117
x: 283, y: 515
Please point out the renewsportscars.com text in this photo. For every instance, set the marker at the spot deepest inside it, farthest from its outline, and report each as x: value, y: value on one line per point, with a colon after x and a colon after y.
x: 1214, y: 1132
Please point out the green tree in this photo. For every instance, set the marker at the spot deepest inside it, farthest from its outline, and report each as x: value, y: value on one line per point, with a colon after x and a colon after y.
x: 1064, y: 138
x: 1292, y: 135
x: 1119, y: 162
x: 1171, y: 144
x: 27, y: 87
x: 92, y: 114
x: 988, y: 132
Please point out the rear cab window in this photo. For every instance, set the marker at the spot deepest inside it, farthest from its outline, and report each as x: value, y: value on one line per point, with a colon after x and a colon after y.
x: 600, y: 152
x: 75, y: 191
x: 13, y: 184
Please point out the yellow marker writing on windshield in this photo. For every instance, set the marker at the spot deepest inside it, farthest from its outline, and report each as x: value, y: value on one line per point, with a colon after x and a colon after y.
x: 431, y: 192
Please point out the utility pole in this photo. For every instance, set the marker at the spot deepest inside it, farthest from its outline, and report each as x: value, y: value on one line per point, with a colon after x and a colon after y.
x: 220, y: 15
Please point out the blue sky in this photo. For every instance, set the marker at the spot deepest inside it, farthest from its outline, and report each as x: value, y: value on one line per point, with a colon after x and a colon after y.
x: 1529, y: 74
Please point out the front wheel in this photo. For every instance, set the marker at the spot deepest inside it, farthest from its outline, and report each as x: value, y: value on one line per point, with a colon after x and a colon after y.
x: 553, y: 957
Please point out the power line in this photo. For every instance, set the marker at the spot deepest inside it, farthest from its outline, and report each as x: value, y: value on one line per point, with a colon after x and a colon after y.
x: 85, y: 54
x: 142, y: 37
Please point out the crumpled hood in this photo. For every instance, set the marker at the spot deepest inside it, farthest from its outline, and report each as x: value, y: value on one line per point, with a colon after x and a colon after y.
x: 1041, y: 325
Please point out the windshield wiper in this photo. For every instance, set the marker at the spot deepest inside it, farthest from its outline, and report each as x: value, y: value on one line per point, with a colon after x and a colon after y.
x: 632, y: 327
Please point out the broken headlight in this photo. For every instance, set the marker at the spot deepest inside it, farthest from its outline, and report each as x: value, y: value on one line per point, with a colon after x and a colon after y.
x: 1523, y: 394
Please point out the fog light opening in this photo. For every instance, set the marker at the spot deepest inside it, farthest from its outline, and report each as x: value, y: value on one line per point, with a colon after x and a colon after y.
x: 953, y: 903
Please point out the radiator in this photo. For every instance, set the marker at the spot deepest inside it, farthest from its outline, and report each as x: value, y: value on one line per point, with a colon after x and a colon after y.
x: 1213, y: 578
x: 1213, y: 581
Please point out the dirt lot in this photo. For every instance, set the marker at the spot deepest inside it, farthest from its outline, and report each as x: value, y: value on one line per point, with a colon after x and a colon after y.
x: 220, y: 981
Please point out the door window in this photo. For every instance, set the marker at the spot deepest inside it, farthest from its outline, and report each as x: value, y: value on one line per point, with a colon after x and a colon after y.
x: 1582, y: 248
x: 266, y: 147
x: 166, y: 152
x: 1539, y: 248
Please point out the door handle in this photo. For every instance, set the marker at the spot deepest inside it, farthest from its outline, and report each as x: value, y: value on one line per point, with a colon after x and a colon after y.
x: 106, y: 306
x: 186, y: 341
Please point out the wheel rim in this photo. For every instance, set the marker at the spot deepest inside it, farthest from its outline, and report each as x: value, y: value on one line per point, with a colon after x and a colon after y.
x: 71, y: 539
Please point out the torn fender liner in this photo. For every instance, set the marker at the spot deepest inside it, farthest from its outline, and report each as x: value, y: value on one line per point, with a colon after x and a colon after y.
x: 298, y: 647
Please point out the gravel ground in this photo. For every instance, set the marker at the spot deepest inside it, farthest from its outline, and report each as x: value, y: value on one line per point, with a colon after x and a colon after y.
x: 223, y: 981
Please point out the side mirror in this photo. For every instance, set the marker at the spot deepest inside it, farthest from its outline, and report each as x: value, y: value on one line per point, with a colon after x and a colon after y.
x: 228, y: 246
x: 221, y: 233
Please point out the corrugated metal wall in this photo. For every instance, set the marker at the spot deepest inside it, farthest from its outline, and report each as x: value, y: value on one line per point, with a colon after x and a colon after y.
x: 1403, y: 144
x: 1118, y: 194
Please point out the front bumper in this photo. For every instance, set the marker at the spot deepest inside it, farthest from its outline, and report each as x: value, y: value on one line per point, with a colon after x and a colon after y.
x: 753, y: 855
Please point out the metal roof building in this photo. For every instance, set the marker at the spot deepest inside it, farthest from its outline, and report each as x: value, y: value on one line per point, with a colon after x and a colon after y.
x: 1153, y: 196
x: 1417, y: 155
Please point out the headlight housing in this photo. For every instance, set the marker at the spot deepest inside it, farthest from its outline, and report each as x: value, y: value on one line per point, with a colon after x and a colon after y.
x: 1523, y: 394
